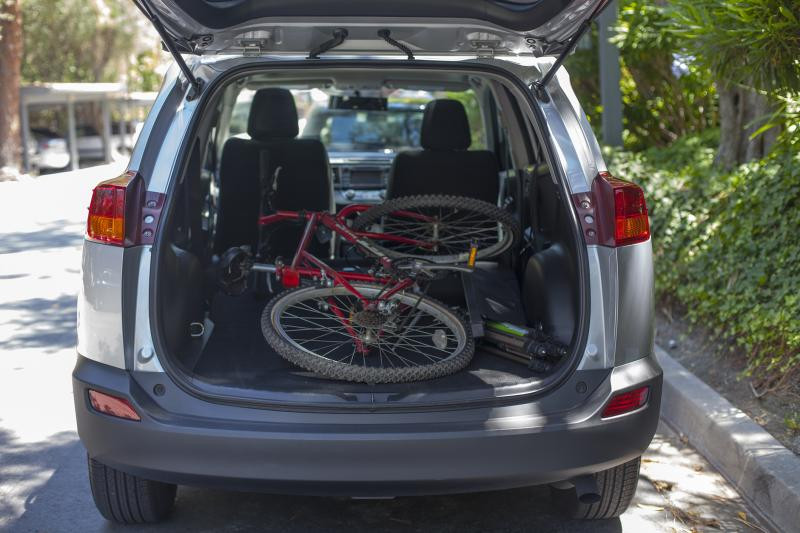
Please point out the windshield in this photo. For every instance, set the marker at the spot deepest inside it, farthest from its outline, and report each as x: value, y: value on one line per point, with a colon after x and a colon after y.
x: 352, y: 130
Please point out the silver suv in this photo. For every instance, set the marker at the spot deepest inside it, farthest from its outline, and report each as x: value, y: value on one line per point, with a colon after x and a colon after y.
x: 301, y: 152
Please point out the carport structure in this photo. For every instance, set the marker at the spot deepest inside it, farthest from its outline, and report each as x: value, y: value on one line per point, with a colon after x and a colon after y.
x: 108, y: 95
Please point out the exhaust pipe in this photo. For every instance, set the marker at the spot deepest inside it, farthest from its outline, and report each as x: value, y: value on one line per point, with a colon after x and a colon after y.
x: 586, y: 489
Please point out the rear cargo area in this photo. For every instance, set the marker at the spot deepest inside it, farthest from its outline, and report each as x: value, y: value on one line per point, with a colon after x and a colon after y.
x: 363, y: 150
x: 237, y: 356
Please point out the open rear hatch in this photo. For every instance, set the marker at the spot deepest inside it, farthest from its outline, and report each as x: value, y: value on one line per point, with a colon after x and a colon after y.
x: 357, y: 29
x: 445, y: 27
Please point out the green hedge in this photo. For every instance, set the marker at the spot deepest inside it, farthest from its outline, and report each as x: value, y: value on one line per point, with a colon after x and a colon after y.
x: 727, y: 245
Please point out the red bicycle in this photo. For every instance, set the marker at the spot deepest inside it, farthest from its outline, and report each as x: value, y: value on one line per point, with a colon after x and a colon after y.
x: 376, y: 324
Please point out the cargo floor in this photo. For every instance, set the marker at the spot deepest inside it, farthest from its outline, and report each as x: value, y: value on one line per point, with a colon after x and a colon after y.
x: 237, y: 355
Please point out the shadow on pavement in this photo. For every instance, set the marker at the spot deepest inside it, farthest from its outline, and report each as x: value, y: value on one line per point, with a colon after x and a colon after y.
x: 48, y: 324
x: 200, y: 510
x: 29, y: 468
x: 53, y: 475
x: 511, y: 510
x: 677, y: 485
x: 677, y: 488
x: 57, y: 234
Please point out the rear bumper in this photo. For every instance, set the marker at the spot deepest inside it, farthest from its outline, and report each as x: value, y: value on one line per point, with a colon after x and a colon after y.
x: 364, y: 453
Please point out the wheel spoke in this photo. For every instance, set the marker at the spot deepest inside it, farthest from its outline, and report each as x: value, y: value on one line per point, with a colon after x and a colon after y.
x: 330, y: 324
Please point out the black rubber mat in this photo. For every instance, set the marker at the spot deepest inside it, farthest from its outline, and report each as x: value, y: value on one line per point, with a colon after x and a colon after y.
x: 238, y: 356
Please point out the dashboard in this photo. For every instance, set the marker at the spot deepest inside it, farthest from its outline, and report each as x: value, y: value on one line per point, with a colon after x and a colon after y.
x: 360, y: 178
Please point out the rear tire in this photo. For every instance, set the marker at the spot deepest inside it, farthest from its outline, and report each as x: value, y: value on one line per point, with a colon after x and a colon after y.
x: 616, y: 485
x: 128, y: 499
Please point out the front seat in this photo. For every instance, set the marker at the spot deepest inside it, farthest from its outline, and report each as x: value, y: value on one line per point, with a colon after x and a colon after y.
x: 287, y: 173
x: 444, y: 165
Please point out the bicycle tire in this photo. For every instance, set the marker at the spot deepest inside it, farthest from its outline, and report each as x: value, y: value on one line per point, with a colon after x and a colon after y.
x: 287, y: 348
x: 509, y: 236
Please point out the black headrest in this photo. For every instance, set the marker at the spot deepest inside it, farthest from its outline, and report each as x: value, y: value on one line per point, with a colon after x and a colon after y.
x: 445, y: 126
x: 272, y: 115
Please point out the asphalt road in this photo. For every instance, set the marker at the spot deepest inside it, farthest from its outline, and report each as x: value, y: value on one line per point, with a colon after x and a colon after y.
x: 43, y: 484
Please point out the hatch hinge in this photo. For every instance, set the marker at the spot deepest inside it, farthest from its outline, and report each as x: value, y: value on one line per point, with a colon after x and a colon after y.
x: 252, y: 47
x: 255, y: 43
x: 484, y: 49
x: 543, y: 47
x: 539, y: 86
x: 174, y: 47
x: 200, y: 41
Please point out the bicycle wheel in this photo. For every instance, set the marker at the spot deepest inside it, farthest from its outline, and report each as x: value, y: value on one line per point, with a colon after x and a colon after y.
x: 448, y: 225
x: 329, y: 331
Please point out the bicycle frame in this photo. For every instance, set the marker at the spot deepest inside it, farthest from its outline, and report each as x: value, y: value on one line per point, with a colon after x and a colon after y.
x: 305, y: 264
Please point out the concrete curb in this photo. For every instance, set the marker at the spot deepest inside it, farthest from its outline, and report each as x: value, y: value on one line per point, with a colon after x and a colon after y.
x: 763, y: 471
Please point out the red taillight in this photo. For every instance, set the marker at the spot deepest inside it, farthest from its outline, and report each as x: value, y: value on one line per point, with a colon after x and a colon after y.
x: 626, y: 402
x: 113, y: 406
x: 630, y: 213
x: 106, y: 222
x: 621, y: 212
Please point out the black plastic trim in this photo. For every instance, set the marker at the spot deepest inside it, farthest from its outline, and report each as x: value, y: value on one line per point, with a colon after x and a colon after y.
x: 131, y: 259
x: 158, y: 132
x: 519, y: 394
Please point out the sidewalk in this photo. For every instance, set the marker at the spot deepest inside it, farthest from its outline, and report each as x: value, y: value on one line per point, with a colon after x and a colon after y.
x: 762, y: 470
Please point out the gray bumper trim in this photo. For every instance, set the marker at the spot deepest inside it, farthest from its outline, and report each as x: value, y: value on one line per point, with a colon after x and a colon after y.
x: 360, y: 454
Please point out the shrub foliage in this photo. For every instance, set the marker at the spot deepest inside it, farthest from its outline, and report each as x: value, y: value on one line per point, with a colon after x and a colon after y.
x: 726, y: 244
x: 665, y: 96
x: 747, y: 42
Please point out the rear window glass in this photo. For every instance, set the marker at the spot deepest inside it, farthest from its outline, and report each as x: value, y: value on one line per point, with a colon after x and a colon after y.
x: 378, y: 124
x: 352, y: 130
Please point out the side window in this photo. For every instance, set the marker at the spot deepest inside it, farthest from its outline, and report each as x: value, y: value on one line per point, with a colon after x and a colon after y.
x: 241, y: 111
x: 473, y: 108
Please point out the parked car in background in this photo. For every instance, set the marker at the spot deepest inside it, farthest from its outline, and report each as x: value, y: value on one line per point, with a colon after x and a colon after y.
x: 124, y: 135
x: 90, y: 144
x: 47, y: 150
x: 90, y: 141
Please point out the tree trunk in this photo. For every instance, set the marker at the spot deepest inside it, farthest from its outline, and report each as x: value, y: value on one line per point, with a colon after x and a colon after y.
x: 10, y: 64
x: 741, y: 112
